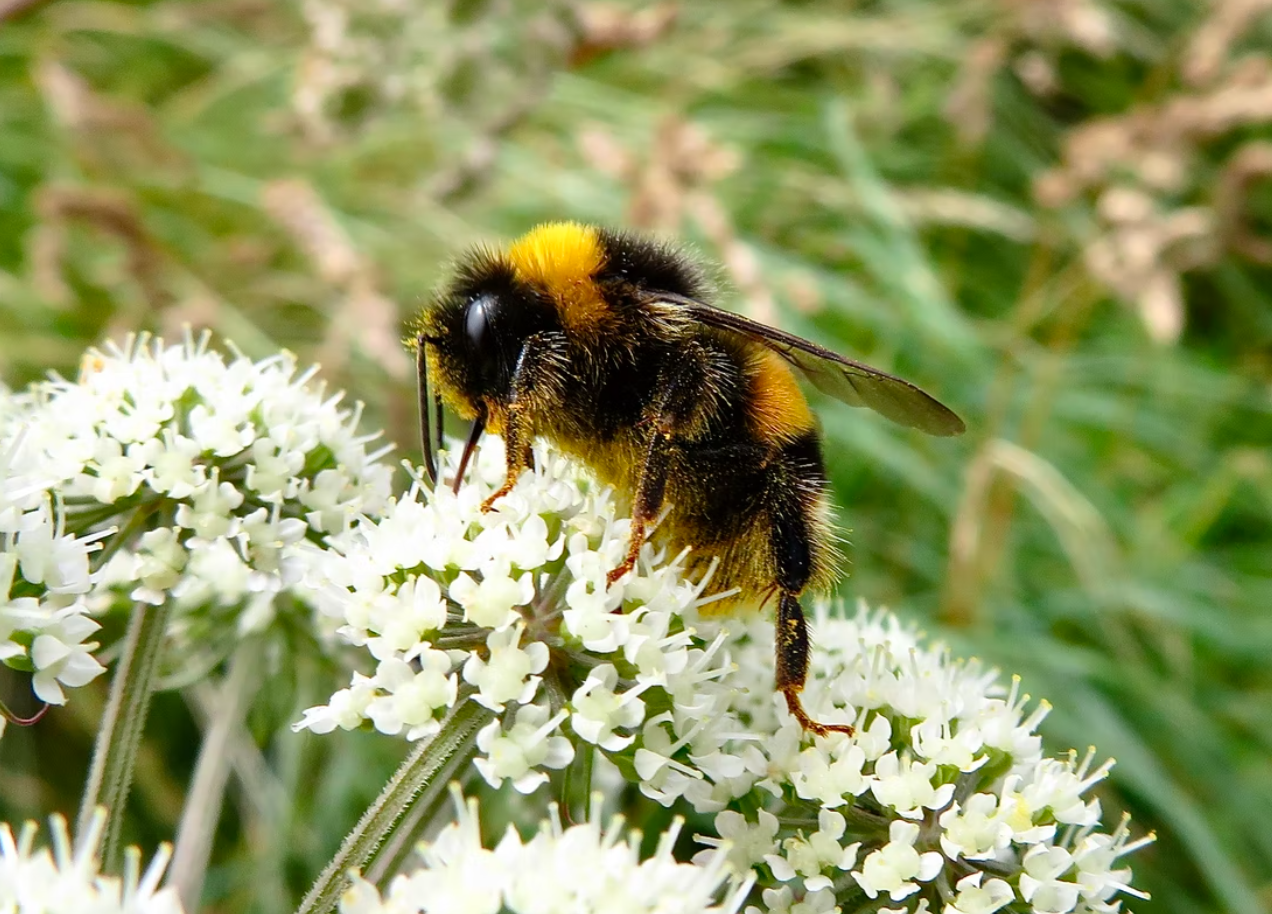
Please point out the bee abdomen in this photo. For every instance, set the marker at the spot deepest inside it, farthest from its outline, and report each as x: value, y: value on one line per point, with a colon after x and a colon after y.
x: 762, y: 513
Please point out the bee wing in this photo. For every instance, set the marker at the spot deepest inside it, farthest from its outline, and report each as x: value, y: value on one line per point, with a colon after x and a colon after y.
x: 844, y: 379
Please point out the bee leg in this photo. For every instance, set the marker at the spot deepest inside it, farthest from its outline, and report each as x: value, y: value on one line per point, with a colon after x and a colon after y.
x: 792, y: 650
x: 515, y: 454
x: 531, y: 378
x: 648, y: 500
x: 793, y: 554
x: 678, y: 406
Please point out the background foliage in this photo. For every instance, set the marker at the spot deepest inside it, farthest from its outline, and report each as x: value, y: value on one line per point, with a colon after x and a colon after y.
x: 1055, y: 214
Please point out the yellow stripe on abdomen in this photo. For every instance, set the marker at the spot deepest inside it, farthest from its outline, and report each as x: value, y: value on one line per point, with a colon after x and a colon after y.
x: 776, y: 409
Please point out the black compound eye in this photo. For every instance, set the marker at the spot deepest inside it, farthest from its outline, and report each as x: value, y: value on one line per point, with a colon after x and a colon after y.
x: 477, y: 321
x: 483, y: 338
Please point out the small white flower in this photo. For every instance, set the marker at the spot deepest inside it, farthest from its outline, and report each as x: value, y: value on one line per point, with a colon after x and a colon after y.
x: 655, y: 654
x: 49, y: 556
x: 781, y: 900
x: 945, y: 743
x: 831, y: 778
x: 906, y: 786
x: 897, y: 867
x: 1041, y: 884
x: 517, y: 754
x: 173, y: 466
x: 160, y: 561
x: 346, y: 709
x: 210, y: 512
x: 329, y: 499
x: 974, y: 830
x: 527, y: 545
x: 973, y: 898
x: 748, y: 843
x: 273, y: 470
x: 266, y: 536
x: 61, y: 657
x: 1058, y: 786
x: 491, y: 602
x: 224, y: 430
x: 599, y: 710
x: 1003, y: 725
x: 662, y: 776
x: 510, y: 673
x: 810, y: 857
x: 1015, y: 810
x: 410, y: 699
x: 119, y: 472
x: 402, y: 620
x: 1095, y: 856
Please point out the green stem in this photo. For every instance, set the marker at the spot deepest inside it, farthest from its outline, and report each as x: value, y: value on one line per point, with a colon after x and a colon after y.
x: 420, y: 778
x: 127, y: 535
x: 110, y: 773
x: 393, y: 857
x: 202, y: 811
x: 576, y: 793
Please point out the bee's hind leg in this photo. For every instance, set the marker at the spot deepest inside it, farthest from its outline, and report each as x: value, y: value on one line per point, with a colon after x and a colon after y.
x: 792, y: 652
x: 793, y: 544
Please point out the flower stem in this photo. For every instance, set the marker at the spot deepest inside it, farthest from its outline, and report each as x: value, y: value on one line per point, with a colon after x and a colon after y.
x: 119, y: 736
x: 394, y: 855
x: 420, y: 778
x: 207, y: 788
x: 127, y: 536
x: 576, y: 793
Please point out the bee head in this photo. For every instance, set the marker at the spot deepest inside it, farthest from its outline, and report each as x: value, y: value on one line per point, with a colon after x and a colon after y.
x: 475, y: 330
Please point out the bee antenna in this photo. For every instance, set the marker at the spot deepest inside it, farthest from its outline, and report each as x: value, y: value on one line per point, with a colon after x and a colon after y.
x: 426, y: 432
x: 479, y: 426
x: 437, y: 419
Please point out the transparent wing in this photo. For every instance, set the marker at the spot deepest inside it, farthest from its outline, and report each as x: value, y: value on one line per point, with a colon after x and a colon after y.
x: 842, y: 378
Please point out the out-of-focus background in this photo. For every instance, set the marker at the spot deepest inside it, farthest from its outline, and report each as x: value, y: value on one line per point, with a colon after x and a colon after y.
x: 1056, y: 215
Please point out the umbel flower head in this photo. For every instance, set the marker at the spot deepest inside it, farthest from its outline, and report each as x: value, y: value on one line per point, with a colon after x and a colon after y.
x: 581, y: 868
x: 68, y: 878
x: 201, y: 478
x: 942, y: 800
x: 514, y: 604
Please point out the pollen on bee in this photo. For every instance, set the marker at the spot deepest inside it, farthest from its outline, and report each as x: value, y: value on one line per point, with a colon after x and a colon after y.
x: 562, y: 258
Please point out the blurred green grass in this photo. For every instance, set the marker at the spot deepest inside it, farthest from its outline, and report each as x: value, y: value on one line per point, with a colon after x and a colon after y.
x: 867, y: 175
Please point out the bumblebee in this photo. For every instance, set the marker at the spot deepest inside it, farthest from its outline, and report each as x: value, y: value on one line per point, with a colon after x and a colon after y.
x: 607, y: 344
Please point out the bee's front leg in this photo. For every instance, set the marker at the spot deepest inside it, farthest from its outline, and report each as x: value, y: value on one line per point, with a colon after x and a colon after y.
x: 535, y: 381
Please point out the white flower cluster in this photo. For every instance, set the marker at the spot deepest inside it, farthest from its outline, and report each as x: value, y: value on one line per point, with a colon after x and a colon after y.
x: 68, y: 878
x: 217, y: 474
x: 942, y: 798
x: 44, y: 571
x: 580, y: 868
x: 941, y: 801
x: 437, y: 592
